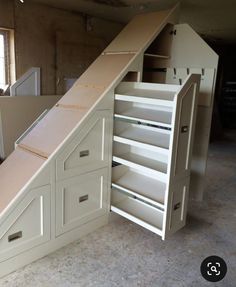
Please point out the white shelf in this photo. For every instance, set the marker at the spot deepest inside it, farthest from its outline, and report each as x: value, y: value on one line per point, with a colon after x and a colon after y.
x: 155, y: 117
x: 146, y: 136
x: 156, y: 56
x: 143, y: 164
x: 147, y: 98
x: 139, y: 184
x: 140, y: 213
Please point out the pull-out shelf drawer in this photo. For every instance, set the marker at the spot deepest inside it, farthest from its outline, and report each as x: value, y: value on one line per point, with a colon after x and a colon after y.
x: 137, y: 211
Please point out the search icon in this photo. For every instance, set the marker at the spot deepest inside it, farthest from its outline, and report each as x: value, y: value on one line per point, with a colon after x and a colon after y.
x: 213, y: 269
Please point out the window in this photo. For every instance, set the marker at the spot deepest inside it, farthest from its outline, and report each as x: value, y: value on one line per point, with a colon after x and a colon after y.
x: 3, y: 60
x: 7, y: 71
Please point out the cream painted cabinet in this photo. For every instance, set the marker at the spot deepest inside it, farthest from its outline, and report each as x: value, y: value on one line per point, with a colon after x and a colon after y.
x: 81, y: 199
x: 152, y: 146
x: 28, y: 225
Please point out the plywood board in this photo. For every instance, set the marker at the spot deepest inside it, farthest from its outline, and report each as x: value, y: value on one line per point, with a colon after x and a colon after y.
x: 139, y: 32
x: 15, y: 172
x: 52, y: 130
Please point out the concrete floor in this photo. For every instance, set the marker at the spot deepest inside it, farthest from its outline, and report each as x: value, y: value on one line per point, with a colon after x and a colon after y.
x: 124, y: 254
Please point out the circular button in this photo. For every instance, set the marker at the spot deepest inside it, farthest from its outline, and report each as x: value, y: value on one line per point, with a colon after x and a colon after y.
x: 213, y: 268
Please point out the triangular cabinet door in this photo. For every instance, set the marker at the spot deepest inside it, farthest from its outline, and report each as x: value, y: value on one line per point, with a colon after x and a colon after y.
x: 28, y: 225
x: 88, y: 149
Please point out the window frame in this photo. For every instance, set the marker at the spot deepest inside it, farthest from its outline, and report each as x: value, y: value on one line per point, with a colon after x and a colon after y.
x: 8, y: 36
x: 5, y: 35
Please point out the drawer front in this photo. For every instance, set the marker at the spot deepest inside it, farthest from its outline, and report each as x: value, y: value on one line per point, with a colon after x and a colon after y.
x: 177, y: 208
x: 89, y: 149
x: 81, y: 199
x: 28, y: 225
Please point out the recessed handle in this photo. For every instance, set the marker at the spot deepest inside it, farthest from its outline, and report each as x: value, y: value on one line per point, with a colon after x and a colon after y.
x: 177, y: 205
x: 84, y: 153
x: 83, y: 198
x: 15, y: 236
x: 184, y: 129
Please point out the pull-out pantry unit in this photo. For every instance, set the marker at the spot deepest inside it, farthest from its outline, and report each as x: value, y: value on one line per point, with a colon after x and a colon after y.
x: 120, y: 141
x: 152, y: 146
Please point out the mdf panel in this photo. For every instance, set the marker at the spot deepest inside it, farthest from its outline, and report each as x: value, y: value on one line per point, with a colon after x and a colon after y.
x: 17, y: 114
x: 206, y: 93
x: 177, y: 209
x: 88, y: 150
x: 138, y: 32
x: 184, y: 130
x: 15, y: 172
x: 188, y: 49
x: 28, y: 225
x: 81, y: 97
x: 51, y: 131
x: 81, y: 199
x: 105, y: 70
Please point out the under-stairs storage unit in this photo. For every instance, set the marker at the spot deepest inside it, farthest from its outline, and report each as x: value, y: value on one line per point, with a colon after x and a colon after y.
x: 153, y: 124
x: 134, y: 109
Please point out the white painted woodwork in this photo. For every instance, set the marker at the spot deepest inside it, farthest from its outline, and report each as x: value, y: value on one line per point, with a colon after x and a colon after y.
x: 28, y: 84
x: 133, y: 180
x: 178, y: 201
x: 81, y: 199
x: 142, y: 134
x: 50, y: 132
x: 87, y: 150
x: 150, y: 114
x: 191, y: 54
x: 132, y: 39
x: 138, y: 211
x: 145, y: 177
x: 18, y: 169
x: 70, y: 151
x: 28, y: 224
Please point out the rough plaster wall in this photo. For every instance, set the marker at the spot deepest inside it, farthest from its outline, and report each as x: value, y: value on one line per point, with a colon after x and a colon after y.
x: 6, y: 14
x: 62, y: 43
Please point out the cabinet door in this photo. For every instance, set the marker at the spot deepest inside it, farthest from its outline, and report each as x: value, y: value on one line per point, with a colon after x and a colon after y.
x: 88, y: 149
x: 177, y: 206
x: 28, y: 225
x: 81, y: 199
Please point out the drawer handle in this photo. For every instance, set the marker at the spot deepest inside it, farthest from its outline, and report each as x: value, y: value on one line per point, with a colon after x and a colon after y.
x: 15, y: 236
x: 84, y: 153
x: 184, y: 129
x: 177, y: 205
x: 83, y: 198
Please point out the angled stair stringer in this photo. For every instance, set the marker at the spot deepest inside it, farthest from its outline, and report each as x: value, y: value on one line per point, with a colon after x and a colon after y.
x: 47, y: 199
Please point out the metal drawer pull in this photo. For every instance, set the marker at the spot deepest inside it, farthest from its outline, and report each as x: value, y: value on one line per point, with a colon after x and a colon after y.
x: 83, y: 198
x: 84, y: 153
x: 184, y: 129
x: 177, y: 205
x: 15, y: 236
